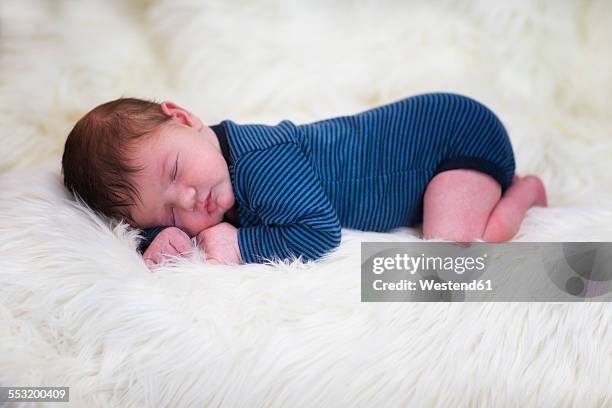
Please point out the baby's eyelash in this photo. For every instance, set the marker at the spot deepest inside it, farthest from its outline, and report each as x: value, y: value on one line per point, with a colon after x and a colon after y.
x: 175, y: 168
x: 174, y: 178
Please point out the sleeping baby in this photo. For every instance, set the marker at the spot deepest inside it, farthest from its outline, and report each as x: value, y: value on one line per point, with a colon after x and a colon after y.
x: 254, y: 193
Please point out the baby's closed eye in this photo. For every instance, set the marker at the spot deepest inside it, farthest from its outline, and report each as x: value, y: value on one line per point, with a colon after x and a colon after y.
x: 174, y: 175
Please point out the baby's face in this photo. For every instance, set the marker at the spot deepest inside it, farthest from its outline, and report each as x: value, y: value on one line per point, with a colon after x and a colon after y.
x: 185, y: 182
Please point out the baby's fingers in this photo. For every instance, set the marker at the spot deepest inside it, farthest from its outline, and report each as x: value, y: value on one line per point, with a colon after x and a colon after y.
x: 179, y: 247
x: 150, y: 264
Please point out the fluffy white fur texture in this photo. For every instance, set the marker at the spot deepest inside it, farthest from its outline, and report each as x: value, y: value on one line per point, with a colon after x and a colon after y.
x: 78, y: 307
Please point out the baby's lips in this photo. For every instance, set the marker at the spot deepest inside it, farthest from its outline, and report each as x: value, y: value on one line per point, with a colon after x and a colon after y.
x: 203, y: 205
x: 211, y: 205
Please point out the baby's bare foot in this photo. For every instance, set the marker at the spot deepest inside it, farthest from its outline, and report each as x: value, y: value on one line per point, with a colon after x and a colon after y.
x: 538, y: 187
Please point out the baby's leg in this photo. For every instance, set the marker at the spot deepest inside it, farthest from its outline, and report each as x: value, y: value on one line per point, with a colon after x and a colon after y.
x: 457, y: 205
x: 463, y: 205
x: 508, y: 214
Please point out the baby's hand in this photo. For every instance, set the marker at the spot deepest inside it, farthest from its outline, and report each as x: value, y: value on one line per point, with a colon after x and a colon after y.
x: 220, y: 243
x: 171, y: 241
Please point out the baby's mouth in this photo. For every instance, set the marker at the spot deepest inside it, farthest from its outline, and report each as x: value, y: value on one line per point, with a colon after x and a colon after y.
x: 210, y: 204
x: 202, y: 206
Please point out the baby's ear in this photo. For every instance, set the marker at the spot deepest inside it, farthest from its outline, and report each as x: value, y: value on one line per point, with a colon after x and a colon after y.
x: 170, y: 108
x: 177, y: 113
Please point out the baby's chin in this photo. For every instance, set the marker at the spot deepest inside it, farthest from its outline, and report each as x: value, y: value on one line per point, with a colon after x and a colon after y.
x: 209, y: 220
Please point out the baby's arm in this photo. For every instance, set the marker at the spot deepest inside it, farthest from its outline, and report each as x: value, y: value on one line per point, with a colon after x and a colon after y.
x: 298, y: 219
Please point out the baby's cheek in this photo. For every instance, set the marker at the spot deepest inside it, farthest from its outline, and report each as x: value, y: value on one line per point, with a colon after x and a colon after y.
x: 226, y: 199
x: 192, y: 223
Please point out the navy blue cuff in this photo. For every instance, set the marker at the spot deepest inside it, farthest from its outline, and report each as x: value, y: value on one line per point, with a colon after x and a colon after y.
x: 149, y: 235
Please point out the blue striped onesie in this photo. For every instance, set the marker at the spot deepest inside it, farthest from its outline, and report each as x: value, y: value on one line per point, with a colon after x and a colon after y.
x: 296, y: 186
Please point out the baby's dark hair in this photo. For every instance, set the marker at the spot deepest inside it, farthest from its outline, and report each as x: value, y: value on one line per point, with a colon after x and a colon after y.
x: 95, y: 163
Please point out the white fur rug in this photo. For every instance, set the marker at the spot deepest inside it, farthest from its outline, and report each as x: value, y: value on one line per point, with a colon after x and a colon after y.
x: 78, y: 307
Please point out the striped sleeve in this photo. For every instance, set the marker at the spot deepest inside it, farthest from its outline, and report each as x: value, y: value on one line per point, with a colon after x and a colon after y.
x: 298, y: 219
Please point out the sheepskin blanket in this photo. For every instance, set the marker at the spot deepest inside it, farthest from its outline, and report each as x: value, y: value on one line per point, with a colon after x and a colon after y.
x: 78, y: 308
